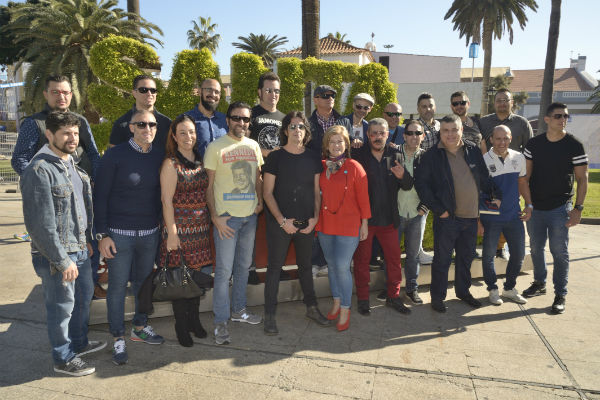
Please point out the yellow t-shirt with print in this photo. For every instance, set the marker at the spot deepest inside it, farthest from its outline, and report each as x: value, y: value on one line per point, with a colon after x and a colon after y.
x: 235, y: 164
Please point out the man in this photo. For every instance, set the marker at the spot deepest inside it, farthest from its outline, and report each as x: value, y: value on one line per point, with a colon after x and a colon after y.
x: 426, y: 110
x: 242, y: 177
x: 392, y: 113
x: 554, y: 160
x: 361, y: 105
x: 144, y: 92
x: 210, y: 123
x: 519, y: 126
x: 324, y: 116
x: 234, y: 217
x: 32, y: 135
x: 412, y: 212
x: 385, y: 175
x: 507, y: 168
x: 266, y: 118
x: 127, y: 217
x: 448, y: 179
x: 57, y: 207
x: 459, y: 103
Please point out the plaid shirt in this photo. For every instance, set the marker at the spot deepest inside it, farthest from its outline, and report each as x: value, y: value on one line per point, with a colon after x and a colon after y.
x: 326, y: 123
x: 432, y: 134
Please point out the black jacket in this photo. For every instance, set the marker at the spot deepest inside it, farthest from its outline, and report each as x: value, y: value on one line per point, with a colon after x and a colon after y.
x: 434, y: 183
x: 362, y: 155
x: 316, y: 130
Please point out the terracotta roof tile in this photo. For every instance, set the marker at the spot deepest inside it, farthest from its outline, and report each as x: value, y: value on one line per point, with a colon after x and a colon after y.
x: 330, y: 45
x: 565, y: 80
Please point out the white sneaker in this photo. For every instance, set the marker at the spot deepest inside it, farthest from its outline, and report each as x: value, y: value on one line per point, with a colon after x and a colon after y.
x: 495, y: 297
x: 425, y: 258
x: 323, y: 271
x: 315, y: 270
x: 513, y: 295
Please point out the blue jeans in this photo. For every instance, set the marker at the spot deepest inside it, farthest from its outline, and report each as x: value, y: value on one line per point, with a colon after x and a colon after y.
x: 459, y: 234
x: 545, y: 225
x: 233, y: 256
x: 514, y: 232
x: 413, y: 229
x: 134, y: 260
x: 338, y: 251
x: 67, y: 306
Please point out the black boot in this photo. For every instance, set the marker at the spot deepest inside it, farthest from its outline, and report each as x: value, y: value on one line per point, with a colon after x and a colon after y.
x: 270, y: 326
x: 181, y: 323
x: 193, y: 314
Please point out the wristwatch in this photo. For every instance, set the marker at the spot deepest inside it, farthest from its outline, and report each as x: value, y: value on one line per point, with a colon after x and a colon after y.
x: 579, y: 207
x: 529, y: 206
x: 100, y: 236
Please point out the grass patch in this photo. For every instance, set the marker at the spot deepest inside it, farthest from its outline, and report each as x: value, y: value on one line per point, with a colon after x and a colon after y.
x: 592, y: 199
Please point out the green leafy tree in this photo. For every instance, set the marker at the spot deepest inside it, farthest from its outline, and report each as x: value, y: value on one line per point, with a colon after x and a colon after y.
x: 262, y: 45
x: 492, y: 17
x: 9, y: 50
x: 340, y: 37
x: 203, y: 35
x: 56, y: 37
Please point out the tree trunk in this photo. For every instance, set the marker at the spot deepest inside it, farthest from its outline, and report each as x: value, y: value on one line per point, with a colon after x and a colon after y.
x: 548, y: 83
x: 133, y: 6
x: 487, y: 65
x: 310, y: 40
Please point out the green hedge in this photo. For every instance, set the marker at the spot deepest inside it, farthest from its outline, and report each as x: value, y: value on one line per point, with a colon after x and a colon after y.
x: 101, y: 134
x: 292, y: 84
x: 245, y: 70
x: 373, y: 79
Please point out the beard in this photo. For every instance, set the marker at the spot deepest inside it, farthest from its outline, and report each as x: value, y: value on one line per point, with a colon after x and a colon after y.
x: 209, y: 106
x: 63, y: 147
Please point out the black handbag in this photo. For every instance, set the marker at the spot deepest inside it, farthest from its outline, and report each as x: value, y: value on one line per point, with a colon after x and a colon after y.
x: 174, y: 283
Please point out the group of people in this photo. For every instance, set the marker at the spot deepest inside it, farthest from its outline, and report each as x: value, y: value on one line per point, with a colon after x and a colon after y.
x: 339, y: 187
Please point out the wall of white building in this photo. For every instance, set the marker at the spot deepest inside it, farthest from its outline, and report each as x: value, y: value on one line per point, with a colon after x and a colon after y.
x: 409, y: 68
x: 409, y: 92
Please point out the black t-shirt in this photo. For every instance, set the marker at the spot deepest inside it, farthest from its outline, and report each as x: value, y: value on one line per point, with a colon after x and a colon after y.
x: 552, y: 178
x: 121, y: 133
x: 265, y: 126
x: 294, y: 188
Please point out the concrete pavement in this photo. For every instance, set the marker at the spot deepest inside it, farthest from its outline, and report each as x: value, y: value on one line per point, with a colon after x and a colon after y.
x: 509, y: 351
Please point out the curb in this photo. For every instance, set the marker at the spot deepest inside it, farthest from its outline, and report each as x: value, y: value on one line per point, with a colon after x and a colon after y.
x: 590, y: 221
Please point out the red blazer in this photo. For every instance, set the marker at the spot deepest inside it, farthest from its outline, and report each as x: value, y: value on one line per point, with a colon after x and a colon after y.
x: 344, y: 200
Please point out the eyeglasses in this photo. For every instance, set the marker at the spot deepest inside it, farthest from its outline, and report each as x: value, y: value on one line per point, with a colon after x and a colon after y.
x: 142, y: 124
x: 293, y: 127
x: 271, y: 90
x: 459, y: 103
x: 560, y: 116
x: 211, y: 90
x: 413, y: 133
x: 144, y: 90
x: 238, y: 118
x: 359, y: 107
x: 393, y: 114
x: 326, y: 96
x: 61, y: 92
x: 503, y: 100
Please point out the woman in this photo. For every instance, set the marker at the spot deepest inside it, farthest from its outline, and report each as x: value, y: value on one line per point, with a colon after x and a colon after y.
x: 343, y: 220
x: 291, y: 193
x: 186, y: 220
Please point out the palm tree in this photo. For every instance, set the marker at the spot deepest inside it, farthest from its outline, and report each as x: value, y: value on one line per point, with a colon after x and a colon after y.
x: 496, y: 17
x: 60, y: 34
x: 548, y: 82
x: 203, y: 35
x: 261, y: 45
x: 340, y: 37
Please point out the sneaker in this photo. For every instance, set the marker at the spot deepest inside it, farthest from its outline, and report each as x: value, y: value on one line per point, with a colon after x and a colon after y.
x: 323, y: 271
x: 502, y: 253
x: 513, y: 295
x: 495, y: 297
x: 92, y: 347
x: 536, y: 289
x: 425, y: 258
x: 382, y: 295
x: 253, y: 278
x: 99, y: 292
x: 414, y: 296
x: 119, y: 352
x: 75, y: 367
x: 222, y: 334
x: 315, y: 271
x: 146, y: 335
x: 377, y: 265
x: 478, y: 254
x: 23, y: 237
x: 245, y: 316
x: 558, y: 307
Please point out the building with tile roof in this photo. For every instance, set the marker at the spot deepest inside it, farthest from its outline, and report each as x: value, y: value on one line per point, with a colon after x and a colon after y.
x: 333, y: 49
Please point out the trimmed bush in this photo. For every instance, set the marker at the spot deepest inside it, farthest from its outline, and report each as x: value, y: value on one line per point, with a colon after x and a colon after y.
x: 246, y: 68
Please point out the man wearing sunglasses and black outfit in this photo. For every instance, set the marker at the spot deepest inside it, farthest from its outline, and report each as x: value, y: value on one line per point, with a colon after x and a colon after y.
x: 392, y: 113
x: 459, y: 103
x: 324, y: 116
x: 144, y: 92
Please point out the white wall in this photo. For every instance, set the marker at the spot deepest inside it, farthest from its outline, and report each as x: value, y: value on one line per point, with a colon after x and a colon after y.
x: 411, y: 68
x: 409, y: 92
x: 586, y: 127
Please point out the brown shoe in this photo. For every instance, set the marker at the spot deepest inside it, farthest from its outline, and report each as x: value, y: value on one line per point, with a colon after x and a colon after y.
x: 99, y: 292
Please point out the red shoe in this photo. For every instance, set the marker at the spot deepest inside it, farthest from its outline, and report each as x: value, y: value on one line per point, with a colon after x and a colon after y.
x: 343, y: 327
x: 332, y: 317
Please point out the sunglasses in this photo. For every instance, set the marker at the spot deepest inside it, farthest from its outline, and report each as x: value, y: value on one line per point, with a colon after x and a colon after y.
x: 560, y: 116
x: 59, y: 92
x: 238, y: 118
x: 393, y: 114
x: 459, y: 103
x: 143, y: 124
x: 293, y: 127
x: 271, y: 90
x: 144, y: 90
x: 413, y: 133
x: 326, y: 96
x: 359, y: 107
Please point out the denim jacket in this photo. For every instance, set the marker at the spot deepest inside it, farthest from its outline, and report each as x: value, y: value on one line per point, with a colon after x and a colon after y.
x: 52, y: 217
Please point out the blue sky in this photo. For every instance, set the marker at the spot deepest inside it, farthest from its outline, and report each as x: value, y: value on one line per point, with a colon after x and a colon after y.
x: 415, y: 27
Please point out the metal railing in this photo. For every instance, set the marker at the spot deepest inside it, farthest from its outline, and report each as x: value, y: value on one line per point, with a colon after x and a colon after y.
x: 7, y: 145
